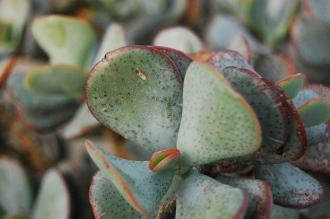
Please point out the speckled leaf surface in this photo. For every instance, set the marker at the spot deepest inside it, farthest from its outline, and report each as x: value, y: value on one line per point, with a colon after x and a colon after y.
x: 67, y: 80
x: 315, y: 111
x: 139, y: 186
x: 114, y: 38
x: 53, y: 200
x: 316, y: 158
x: 15, y: 190
x: 137, y: 92
x: 65, y: 39
x: 310, y: 41
x: 107, y: 202
x: 271, y: 19
x: 279, y: 212
x: 34, y: 102
x: 228, y: 58
x: 200, y: 196
x: 259, y: 195
x: 180, y: 59
x: 316, y: 134
x: 290, y: 186
x: 292, y: 84
x: 217, y: 123
x: 274, y: 67
x: 265, y: 102
x: 179, y: 38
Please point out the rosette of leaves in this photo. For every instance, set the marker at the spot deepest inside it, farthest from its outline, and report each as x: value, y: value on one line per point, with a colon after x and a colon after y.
x: 219, y: 115
x: 55, y: 198
x: 48, y: 96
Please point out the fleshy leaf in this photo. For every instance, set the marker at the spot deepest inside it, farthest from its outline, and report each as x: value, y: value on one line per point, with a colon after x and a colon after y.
x: 6, y: 67
x: 137, y: 92
x: 66, y: 40
x: 139, y: 186
x: 53, y: 200
x: 259, y: 194
x: 304, y: 96
x: 279, y: 212
x: 241, y: 45
x: 228, y: 58
x: 316, y: 158
x: 114, y: 38
x: 67, y: 80
x: 310, y: 41
x: 271, y: 19
x: 180, y: 59
x: 179, y: 38
x: 319, y: 9
x: 107, y: 202
x: 316, y: 134
x: 15, y: 190
x: 290, y: 186
x: 12, y: 25
x: 164, y: 159
x: 35, y: 102
x: 315, y: 111
x: 265, y: 102
x: 292, y: 84
x: 275, y: 67
x: 217, y: 123
x: 202, y: 55
x: 200, y: 196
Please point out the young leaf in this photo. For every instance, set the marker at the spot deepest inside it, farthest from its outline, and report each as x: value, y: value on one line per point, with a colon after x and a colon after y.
x: 107, y: 202
x: 315, y: 112
x: 290, y: 186
x: 259, y: 194
x: 217, y: 123
x: 200, y: 196
x: 66, y: 40
x: 292, y: 84
x: 165, y: 159
x: 53, y: 200
x: 66, y: 80
x: 137, y: 92
x: 15, y: 190
x: 138, y: 185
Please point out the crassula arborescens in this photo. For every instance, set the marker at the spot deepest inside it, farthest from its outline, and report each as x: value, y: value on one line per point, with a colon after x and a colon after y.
x: 201, y: 117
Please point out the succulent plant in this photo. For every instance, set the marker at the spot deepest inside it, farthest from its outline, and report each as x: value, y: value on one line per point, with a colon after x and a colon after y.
x: 219, y: 118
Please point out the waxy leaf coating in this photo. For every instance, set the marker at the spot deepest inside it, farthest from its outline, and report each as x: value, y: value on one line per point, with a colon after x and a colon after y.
x: 137, y: 92
x: 217, y: 123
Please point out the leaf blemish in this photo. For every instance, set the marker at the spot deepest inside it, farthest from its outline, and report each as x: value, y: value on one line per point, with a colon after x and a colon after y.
x: 139, y: 73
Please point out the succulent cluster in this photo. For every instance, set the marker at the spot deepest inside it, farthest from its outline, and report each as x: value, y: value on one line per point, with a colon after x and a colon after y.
x: 194, y: 109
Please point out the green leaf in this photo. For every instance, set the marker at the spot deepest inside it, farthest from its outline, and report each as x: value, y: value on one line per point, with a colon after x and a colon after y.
x: 15, y: 190
x: 165, y: 159
x: 107, y: 202
x: 290, y: 186
x: 53, y: 200
x: 315, y: 111
x: 138, y: 185
x: 271, y: 19
x: 241, y: 44
x: 259, y: 194
x: 66, y: 80
x: 179, y: 38
x: 66, y: 40
x: 181, y: 60
x: 292, y: 84
x: 200, y: 196
x: 217, y: 123
x: 114, y: 38
x: 137, y: 92
x: 278, y: 212
x: 36, y: 103
x: 267, y: 104
x: 13, y: 16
